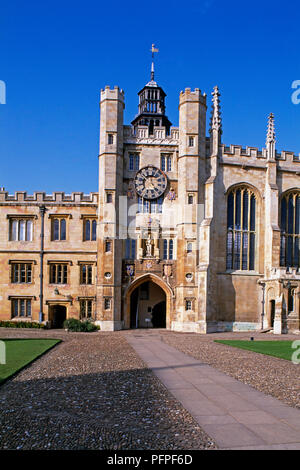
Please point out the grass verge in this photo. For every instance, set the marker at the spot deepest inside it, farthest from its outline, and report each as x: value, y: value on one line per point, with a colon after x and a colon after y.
x: 21, y: 352
x: 281, y: 349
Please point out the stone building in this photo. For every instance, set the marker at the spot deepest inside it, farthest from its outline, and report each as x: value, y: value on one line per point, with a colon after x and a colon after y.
x: 185, y: 232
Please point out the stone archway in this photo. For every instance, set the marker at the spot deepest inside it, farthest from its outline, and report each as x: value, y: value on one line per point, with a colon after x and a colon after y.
x: 166, y: 298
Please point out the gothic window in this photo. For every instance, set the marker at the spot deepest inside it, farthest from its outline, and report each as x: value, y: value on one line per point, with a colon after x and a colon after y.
x: 290, y: 230
x: 110, y: 139
x: 241, y: 229
x: 188, y: 305
x: 107, y: 303
x: 190, y: 199
x: 291, y: 300
x: 20, y: 230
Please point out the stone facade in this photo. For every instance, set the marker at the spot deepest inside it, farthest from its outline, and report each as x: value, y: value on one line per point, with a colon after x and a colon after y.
x: 209, y: 254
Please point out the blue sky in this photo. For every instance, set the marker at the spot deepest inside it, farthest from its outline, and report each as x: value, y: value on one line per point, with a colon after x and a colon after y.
x: 56, y: 56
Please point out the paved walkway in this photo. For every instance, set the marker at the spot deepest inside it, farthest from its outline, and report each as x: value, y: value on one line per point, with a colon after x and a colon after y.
x: 234, y: 414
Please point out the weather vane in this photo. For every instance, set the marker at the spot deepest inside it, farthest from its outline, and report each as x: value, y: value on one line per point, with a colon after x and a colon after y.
x: 153, y: 50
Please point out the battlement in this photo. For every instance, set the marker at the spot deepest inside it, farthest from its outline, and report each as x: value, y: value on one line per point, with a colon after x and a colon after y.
x: 254, y: 152
x: 142, y: 132
x: 57, y: 197
x: 112, y: 94
x: 192, y: 96
x: 285, y: 273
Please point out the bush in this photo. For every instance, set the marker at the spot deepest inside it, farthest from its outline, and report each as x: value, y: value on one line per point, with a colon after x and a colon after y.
x: 21, y: 324
x: 72, y: 324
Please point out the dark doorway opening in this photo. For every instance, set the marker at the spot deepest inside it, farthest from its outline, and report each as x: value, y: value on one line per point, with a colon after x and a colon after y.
x: 272, y: 317
x: 59, y: 314
x: 159, y: 315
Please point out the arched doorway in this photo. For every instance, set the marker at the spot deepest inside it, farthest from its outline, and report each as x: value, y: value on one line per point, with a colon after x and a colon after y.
x: 58, y: 315
x: 147, y: 303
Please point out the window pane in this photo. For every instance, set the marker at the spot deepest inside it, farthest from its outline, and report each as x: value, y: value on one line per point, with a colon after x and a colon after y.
x: 297, y: 216
x: 252, y: 213
x: 296, y: 253
x: 237, y: 250
x: 65, y: 272
x: 245, y: 210
x: 28, y: 273
x: 289, y: 251
x: 90, y: 271
x: 282, y: 250
x: 245, y: 251
x: 170, y: 249
x: 59, y: 274
x: 127, y: 248
x: 159, y: 204
x: 55, y: 229
x: 87, y: 230
x: 22, y: 307
x: 14, y: 230
x: 29, y: 230
x: 22, y: 230
x: 23, y: 273
x: 82, y: 309
x: 229, y: 250
x: 163, y: 163
x: 290, y: 214
x: 230, y: 211
x: 28, y: 308
x: 131, y: 162
x: 89, y: 309
x: 15, y: 308
x: 238, y: 210
x: 83, y: 274
x: 165, y: 254
x: 63, y: 229
x: 94, y: 230
x: 169, y: 164
x: 283, y: 215
x: 137, y: 162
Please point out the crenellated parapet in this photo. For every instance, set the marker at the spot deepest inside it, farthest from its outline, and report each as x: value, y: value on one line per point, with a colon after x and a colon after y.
x: 140, y: 135
x: 56, y: 197
x: 195, y: 96
x: 238, y: 154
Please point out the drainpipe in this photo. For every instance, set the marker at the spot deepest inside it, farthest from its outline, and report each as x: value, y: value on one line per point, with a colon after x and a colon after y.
x: 42, y: 213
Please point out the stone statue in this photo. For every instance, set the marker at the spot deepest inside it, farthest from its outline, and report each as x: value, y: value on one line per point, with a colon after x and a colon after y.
x: 149, y: 246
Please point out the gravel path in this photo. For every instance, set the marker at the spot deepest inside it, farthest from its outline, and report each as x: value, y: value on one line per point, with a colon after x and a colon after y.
x: 92, y: 392
x: 271, y: 375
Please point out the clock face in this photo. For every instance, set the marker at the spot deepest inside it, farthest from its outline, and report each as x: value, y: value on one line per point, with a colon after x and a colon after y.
x: 150, y: 182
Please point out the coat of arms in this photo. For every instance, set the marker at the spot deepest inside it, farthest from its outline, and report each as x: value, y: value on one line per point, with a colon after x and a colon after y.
x: 130, y: 270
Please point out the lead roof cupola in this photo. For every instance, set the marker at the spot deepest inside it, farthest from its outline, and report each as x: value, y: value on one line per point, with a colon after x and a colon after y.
x: 152, y: 105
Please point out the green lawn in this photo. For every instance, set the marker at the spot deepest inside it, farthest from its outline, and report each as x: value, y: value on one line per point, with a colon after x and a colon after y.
x: 20, y: 352
x: 281, y: 349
